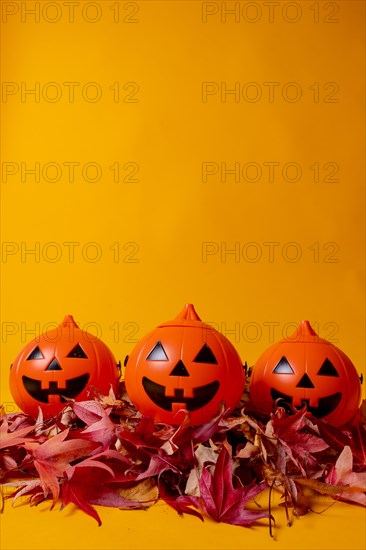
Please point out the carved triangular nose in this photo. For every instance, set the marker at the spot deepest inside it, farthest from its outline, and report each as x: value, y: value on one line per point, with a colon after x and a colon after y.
x: 179, y: 370
x: 305, y: 382
x: 54, y: 365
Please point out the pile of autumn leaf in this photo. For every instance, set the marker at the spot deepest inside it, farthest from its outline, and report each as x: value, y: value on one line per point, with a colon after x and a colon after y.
x: 103, y: 452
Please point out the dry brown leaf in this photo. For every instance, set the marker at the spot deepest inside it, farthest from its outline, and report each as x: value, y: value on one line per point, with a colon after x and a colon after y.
x: 320, y: 487
x: 249, y: 451
x: 146, y: 492
x: 204, y: 456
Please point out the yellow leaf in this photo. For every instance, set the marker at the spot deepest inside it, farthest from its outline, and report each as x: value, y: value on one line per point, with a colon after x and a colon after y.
x: 146, y: 492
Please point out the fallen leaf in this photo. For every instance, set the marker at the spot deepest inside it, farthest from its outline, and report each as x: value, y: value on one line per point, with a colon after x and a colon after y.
x: 249, y: 451
x: 220, y: 500
x: 204, y: 456
x: 319, y: 486
x: 26, y: 487
x: 333, y: 436
x: 102, y: 431
x: 53, y: 457
x: 180, y: 503
x: 342, y: 474
x: 145, y: 492
x: 158, y: 464
x: 11, y: 438
x: 358, y: 444
x: 294, y: 440
x: 90, y: 485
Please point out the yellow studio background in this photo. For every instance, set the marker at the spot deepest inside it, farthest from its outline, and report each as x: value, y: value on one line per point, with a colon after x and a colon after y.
x: 162, y: 152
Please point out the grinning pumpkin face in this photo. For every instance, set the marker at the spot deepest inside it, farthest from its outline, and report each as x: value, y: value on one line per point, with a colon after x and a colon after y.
x: 61, y: 364
x: 306, y: 369
x: 184, y: 364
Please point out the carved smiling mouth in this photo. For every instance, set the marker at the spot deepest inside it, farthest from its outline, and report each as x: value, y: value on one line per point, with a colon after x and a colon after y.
x: 326, y: 405
x: 201, y: 395
x: 74, y: 386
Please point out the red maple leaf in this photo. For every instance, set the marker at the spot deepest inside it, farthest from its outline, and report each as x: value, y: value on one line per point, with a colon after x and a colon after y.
x: 180, y: 503
x: 53, y: 457
x: 297, y: 437
x: 99, y: 426
x: 220, y: 500
x: 93, y: 484
x: 16, y: 437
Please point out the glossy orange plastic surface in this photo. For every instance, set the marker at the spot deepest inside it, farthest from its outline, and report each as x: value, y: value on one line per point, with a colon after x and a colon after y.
x: 62, y: 363
x: 305, y: 368
x: 184, y: 364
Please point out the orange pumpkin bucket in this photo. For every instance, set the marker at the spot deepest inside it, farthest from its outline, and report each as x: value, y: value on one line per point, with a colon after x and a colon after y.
x: 306, y: 369
x: 184, y: 364
x: 59, y: 364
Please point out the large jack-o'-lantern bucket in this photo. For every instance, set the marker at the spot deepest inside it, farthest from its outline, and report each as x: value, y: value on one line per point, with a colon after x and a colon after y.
x: 184, y: 365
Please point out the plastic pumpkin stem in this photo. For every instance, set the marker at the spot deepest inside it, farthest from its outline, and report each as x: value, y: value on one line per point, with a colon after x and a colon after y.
x: 69, y: 321
x: 188, y: 312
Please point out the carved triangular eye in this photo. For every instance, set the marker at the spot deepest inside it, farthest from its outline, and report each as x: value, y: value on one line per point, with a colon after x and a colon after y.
x: 54, y: 365
x: 179, y: 369
x: 283, y: 367
x: 205, y: 355
x: 77, y: 352
x: 328, y: 369
x: 35, y: 354
x: 157, y: 353
x: 305, y: 382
